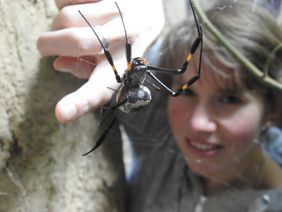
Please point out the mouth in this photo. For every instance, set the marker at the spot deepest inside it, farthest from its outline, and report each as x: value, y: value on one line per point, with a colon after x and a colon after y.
x: 204, y: 149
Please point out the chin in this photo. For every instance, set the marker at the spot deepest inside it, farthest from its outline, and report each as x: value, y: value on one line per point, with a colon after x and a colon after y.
x: 202, y: 167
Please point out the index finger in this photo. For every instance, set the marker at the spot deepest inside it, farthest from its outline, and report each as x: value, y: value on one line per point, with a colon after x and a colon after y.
x: 93, y: 94
x: 62, y: 3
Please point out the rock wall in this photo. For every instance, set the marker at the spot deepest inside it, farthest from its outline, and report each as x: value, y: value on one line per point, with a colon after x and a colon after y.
x: 41, y: 167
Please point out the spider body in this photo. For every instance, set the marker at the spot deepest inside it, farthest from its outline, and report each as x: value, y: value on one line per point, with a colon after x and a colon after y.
x: 136, y: 75
x: 136, y: 98
x: 133, y: 95
x: 132, y: 92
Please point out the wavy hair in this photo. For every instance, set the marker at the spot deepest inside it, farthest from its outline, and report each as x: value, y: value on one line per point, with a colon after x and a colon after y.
x: 255, y: 33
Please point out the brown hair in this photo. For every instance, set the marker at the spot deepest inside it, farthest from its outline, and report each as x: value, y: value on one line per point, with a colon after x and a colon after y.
x: 254, y: 33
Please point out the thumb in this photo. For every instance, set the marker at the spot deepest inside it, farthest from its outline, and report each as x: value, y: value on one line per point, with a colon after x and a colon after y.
x: 93, y: 94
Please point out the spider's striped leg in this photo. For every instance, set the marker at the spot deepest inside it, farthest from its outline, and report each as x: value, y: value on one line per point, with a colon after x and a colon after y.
x: 162, y: 85
x: 106, y: 51
x: 197, y: 43
x: 127, y: 43
x: 103, y: 134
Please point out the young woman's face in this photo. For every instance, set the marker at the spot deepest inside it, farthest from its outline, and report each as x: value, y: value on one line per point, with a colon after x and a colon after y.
x: 215, y: 125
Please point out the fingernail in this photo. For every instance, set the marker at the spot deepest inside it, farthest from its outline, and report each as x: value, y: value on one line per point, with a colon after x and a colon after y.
x: 69, y: 112
x: 61, y: 69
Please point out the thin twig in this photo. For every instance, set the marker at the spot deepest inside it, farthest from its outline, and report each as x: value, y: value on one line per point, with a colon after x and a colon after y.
x: 234, y: 51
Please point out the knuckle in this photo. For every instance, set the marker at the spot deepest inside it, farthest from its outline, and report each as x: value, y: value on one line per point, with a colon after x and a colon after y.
x: 74, y: 38
x: 65, y: 18
x: 77, y: 40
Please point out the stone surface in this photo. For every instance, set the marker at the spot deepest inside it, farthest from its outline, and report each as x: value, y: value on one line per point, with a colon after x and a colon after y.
x: 41, y: 167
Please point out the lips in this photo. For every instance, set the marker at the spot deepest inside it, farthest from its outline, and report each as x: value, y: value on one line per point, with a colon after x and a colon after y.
x: 203, y: 149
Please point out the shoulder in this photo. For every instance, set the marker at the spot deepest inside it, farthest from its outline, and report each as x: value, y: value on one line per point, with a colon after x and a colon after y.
x: 246, y: 200
x: 269, y: 200
x: 271, y: 142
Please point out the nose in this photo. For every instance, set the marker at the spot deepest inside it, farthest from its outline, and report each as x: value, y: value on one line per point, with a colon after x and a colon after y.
x: 201, y: 120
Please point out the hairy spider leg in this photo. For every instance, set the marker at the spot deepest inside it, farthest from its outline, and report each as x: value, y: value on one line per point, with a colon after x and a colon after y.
x: 198, y: 42
x: 127, y: 43
x: 103, y: 135
x: 107, y: 52
x: 108, y: 56
x: 107, y: 129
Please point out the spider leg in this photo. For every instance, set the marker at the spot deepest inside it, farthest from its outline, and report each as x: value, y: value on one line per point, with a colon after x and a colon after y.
x: 106, y: 51
x: 162, y: 85
x: 103, y: 135
x: 197, y: 43
x: 127, y: 43
x: 152, y: 85
x: 119, y: 104
x: 107, y: 129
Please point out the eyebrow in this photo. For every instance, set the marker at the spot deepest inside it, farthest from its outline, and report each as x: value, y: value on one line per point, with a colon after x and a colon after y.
x: 230, y: 85
x: 231, y: 91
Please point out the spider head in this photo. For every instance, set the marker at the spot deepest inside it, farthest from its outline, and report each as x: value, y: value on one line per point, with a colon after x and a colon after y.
x: 138, y: 63
x: 137, y: 73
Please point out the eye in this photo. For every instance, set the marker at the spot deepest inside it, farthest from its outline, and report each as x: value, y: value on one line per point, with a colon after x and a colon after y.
x: 230, y: 99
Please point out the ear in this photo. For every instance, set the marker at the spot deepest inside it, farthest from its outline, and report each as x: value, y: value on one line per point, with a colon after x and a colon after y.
x: 272, y: 109
x: 273, y: 117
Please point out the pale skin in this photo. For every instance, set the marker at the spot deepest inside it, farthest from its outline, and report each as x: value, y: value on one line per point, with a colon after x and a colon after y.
x: 217, y: 127
x: 80, y: 54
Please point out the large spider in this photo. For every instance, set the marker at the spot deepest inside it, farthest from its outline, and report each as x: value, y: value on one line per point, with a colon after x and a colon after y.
x: 132, y: 94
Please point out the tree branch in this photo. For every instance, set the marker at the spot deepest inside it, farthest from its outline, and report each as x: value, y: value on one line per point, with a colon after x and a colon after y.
x: 262, y: 75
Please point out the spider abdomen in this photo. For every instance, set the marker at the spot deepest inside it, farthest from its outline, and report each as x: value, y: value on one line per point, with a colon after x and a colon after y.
x: 137, y: 98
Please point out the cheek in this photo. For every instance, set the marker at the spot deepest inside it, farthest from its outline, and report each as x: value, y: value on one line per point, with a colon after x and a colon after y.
x: 176, y: 115
x: 243, y: 126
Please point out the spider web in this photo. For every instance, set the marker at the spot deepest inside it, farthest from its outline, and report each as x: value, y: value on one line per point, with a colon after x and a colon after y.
x: 150, y: 138
x: 146, y: 134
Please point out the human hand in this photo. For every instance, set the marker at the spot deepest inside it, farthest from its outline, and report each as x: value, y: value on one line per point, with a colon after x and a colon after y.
x: 80, y: 53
